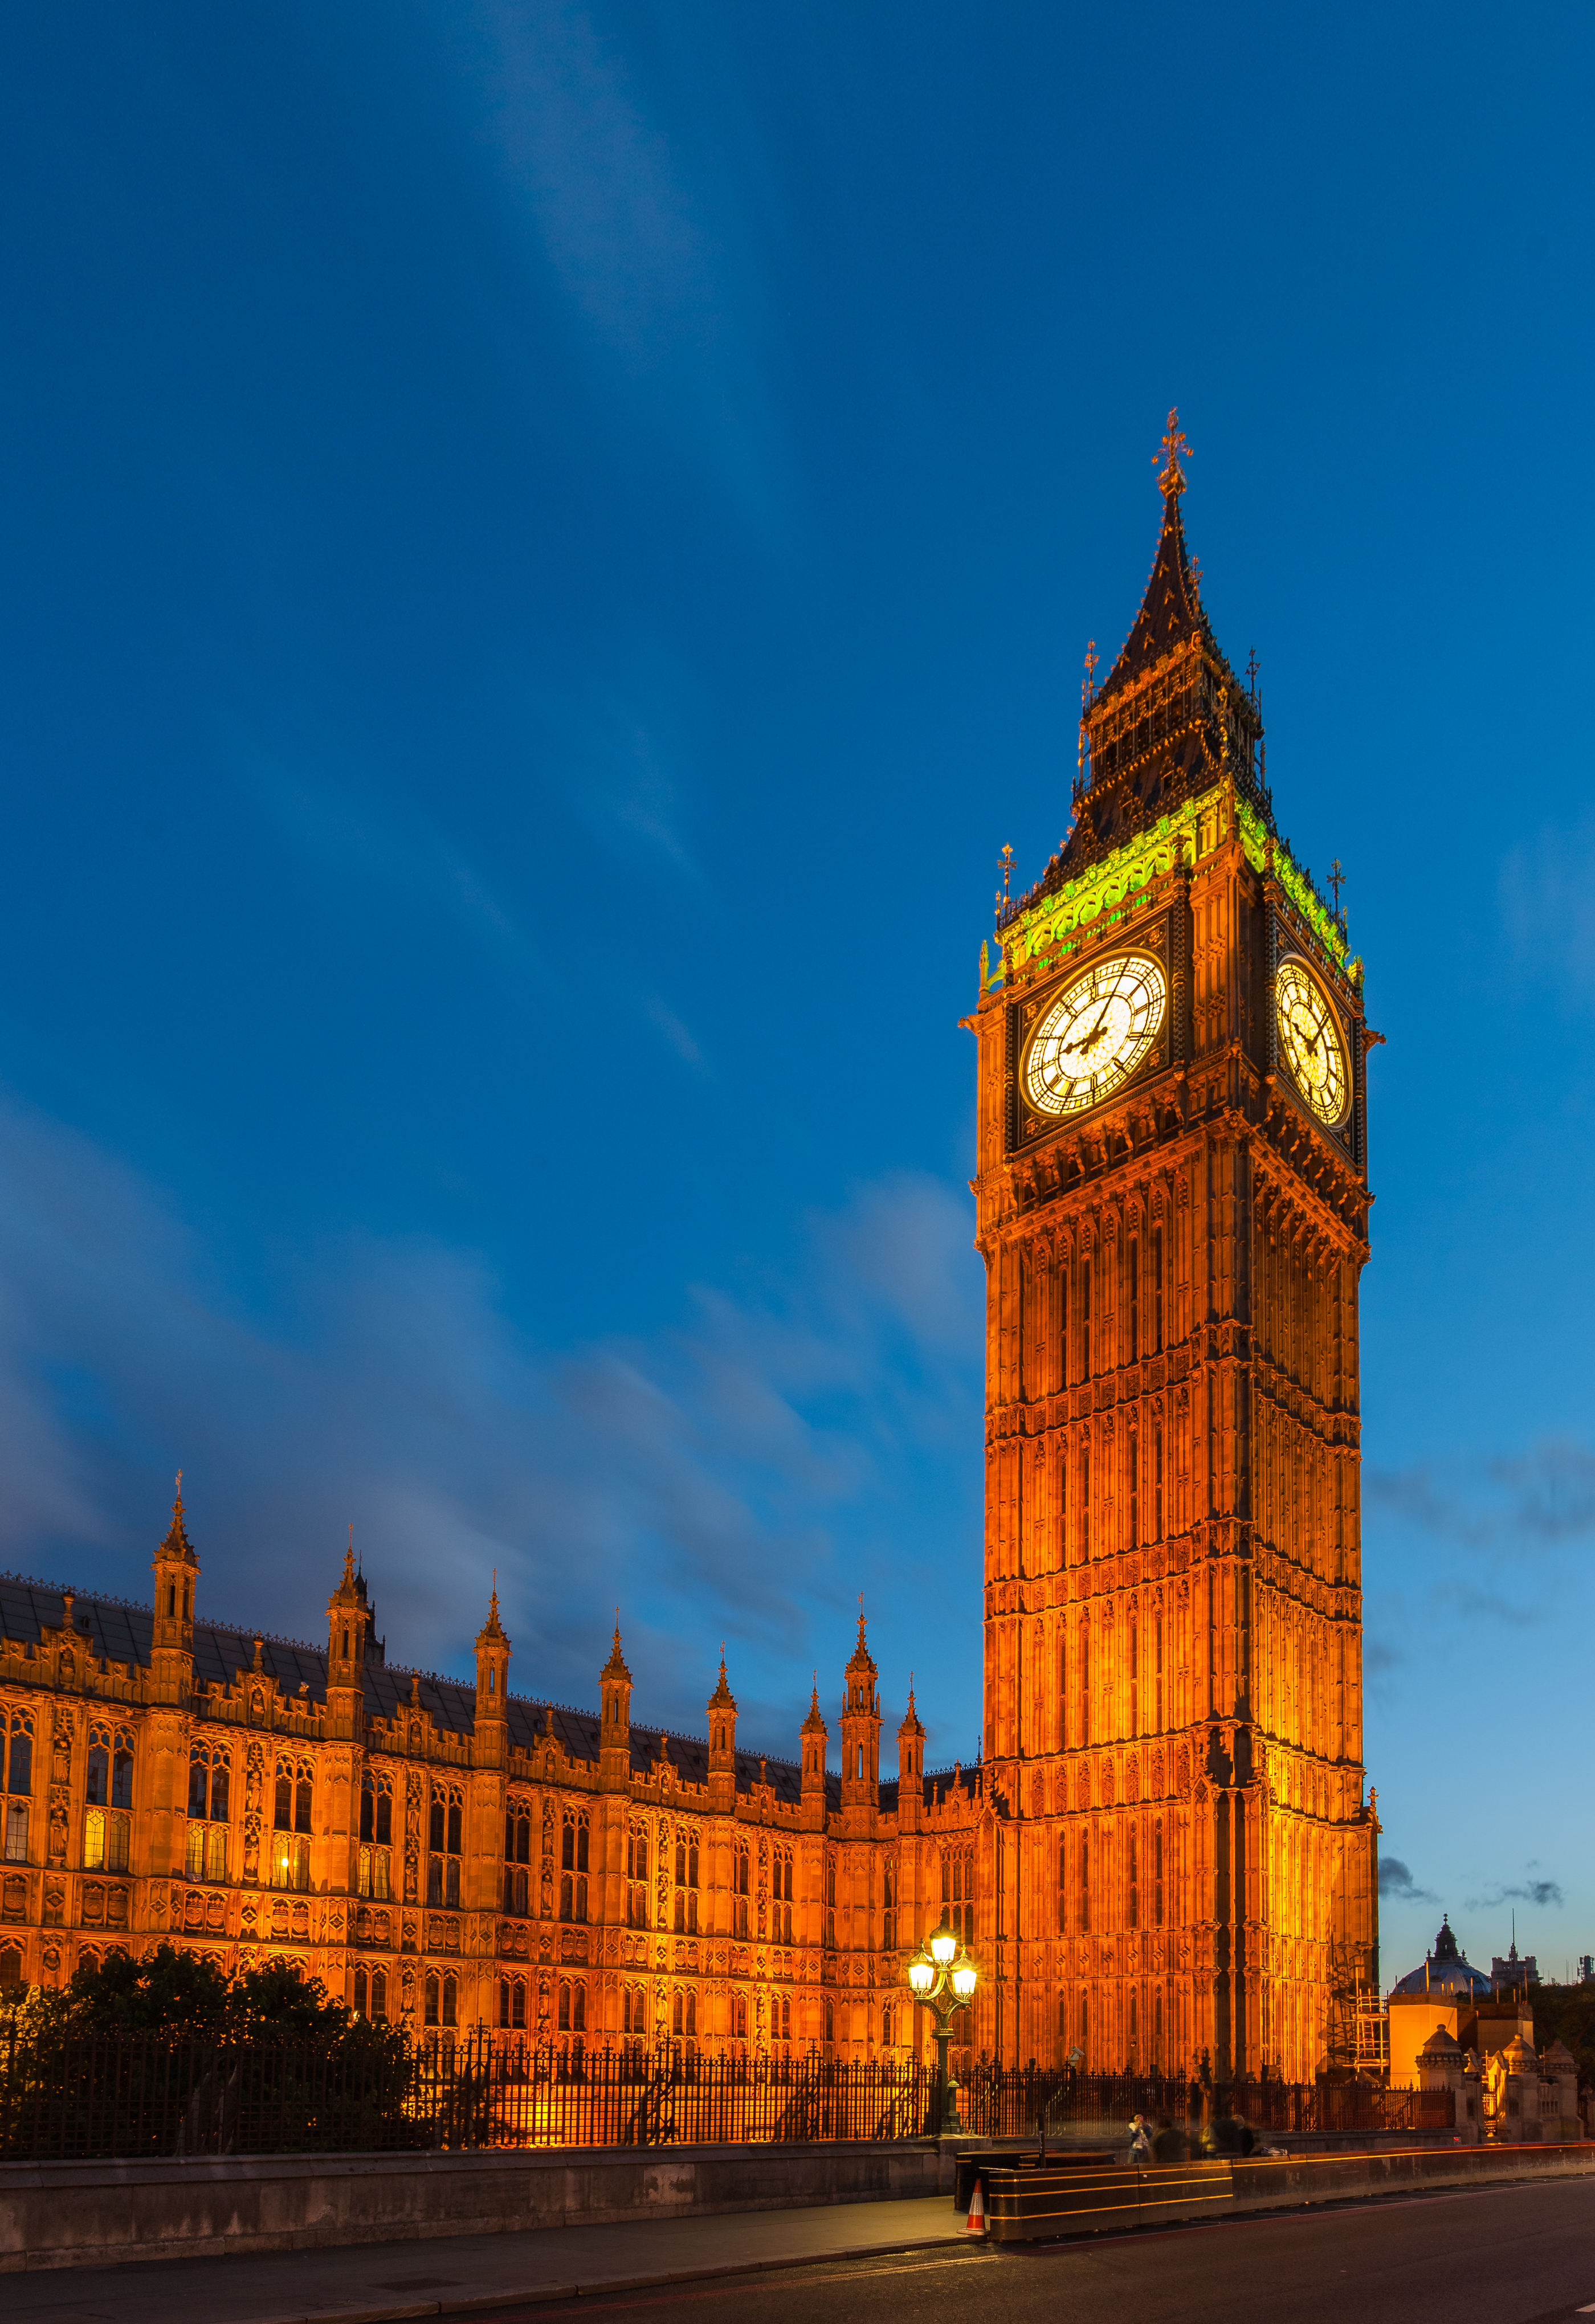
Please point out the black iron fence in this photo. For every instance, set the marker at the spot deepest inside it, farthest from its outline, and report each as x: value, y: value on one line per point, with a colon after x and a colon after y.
x: 1013, y: 2103
x: 149, y: 2095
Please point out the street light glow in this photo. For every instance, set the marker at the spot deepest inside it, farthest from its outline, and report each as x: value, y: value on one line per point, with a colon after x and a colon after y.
x: 944, y: 1975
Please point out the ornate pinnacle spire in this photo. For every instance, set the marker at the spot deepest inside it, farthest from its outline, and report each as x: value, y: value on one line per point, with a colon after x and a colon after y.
x: 814, y: 1724
x: 177, y: 1543
x: 491, y: 1631
x: 350, y: 1588
x: 861, y: 1658
x: 910, y: 1725
x: 723, y: 1698
x: 615, y: 1667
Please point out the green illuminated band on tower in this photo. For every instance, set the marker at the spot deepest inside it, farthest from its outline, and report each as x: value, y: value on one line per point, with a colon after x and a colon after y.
x: 1041, y: 934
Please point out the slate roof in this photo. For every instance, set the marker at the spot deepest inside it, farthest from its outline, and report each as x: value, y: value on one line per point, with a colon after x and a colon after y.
x: 1171, y: 611
x: 115, y: 1631
x: 941, y: 1783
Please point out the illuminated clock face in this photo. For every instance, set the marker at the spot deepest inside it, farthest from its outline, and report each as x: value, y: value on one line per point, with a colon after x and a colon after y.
x: 1311, y: 1041
x: 1095, y: 1034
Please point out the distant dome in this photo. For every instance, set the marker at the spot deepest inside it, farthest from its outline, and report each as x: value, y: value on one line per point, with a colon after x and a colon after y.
x: 1445, y: 1972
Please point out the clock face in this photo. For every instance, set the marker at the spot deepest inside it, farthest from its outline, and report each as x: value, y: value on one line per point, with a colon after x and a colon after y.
x: 1095, y: 1034
x: 1310, y: 1039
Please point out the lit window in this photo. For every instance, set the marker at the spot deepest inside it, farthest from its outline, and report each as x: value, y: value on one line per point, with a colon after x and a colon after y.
x: 19, y: 1776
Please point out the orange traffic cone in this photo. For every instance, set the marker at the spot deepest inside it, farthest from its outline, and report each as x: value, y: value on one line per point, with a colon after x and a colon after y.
x: 977, y: 2211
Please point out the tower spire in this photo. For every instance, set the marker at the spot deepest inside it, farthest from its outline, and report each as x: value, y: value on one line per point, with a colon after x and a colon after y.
x: 1172, y: 481
x: 1170, y: 718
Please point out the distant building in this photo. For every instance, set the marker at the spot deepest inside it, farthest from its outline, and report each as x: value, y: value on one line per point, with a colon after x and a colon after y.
x: 1453, y: 2028
x: 1513, y: 1973
x: 1587, y: 1968
x: 1447, y: 1989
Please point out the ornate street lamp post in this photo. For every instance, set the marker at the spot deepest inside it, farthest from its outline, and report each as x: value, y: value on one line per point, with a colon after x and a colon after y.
x: 944, y: 1977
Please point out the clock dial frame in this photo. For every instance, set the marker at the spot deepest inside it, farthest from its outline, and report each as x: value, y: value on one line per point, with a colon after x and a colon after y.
x: 1312, y: 1042
x: 1094, y: 1036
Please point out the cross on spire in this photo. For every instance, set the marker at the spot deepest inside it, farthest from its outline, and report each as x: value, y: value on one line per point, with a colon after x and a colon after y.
x: 1171, y: 482
x: 1337, y: 880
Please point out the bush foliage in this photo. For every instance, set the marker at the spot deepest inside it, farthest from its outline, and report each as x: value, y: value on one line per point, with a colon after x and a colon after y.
x: 189, y: 1998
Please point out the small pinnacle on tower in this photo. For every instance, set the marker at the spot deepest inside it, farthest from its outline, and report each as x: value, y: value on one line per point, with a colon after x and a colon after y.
x: 177, y: 1538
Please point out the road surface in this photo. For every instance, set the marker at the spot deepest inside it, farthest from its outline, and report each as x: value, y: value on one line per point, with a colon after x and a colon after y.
x: 1513, y: 2255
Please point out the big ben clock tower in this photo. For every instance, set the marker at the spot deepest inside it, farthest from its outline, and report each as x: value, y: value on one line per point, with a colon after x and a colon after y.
x: 1171, y: 1203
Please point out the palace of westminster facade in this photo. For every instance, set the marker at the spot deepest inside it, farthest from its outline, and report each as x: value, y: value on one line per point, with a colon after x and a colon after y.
x: 1166, y: 1851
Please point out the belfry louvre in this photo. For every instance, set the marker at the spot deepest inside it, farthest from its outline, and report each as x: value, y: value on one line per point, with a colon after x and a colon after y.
x: 1166, y: 1853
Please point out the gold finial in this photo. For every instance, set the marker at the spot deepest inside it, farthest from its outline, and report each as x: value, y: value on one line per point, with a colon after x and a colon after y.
x: 1337, y: 880
x: 1171, y: 482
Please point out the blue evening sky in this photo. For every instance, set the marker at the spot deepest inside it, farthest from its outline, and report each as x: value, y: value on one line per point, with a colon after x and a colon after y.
x: 546, y: 548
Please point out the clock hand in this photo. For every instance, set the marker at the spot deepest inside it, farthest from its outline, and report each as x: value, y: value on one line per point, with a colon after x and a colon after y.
x: 1091, y: 1037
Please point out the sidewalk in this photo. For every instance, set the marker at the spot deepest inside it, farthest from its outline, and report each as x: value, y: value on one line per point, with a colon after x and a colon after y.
x: 363, y: 2283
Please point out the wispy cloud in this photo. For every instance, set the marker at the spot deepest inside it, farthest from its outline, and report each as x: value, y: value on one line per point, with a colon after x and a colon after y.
x: 1485, y: 1606
x: 1521, y: 1892
x: 666, y: 1021
x: 388, y: 847
x: 741, y: 1474
x: 1547, y: 904
x: 630, y: 175
x: 612, y: 209
x: 1397, y: 1883
x: 1544, y: 1497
